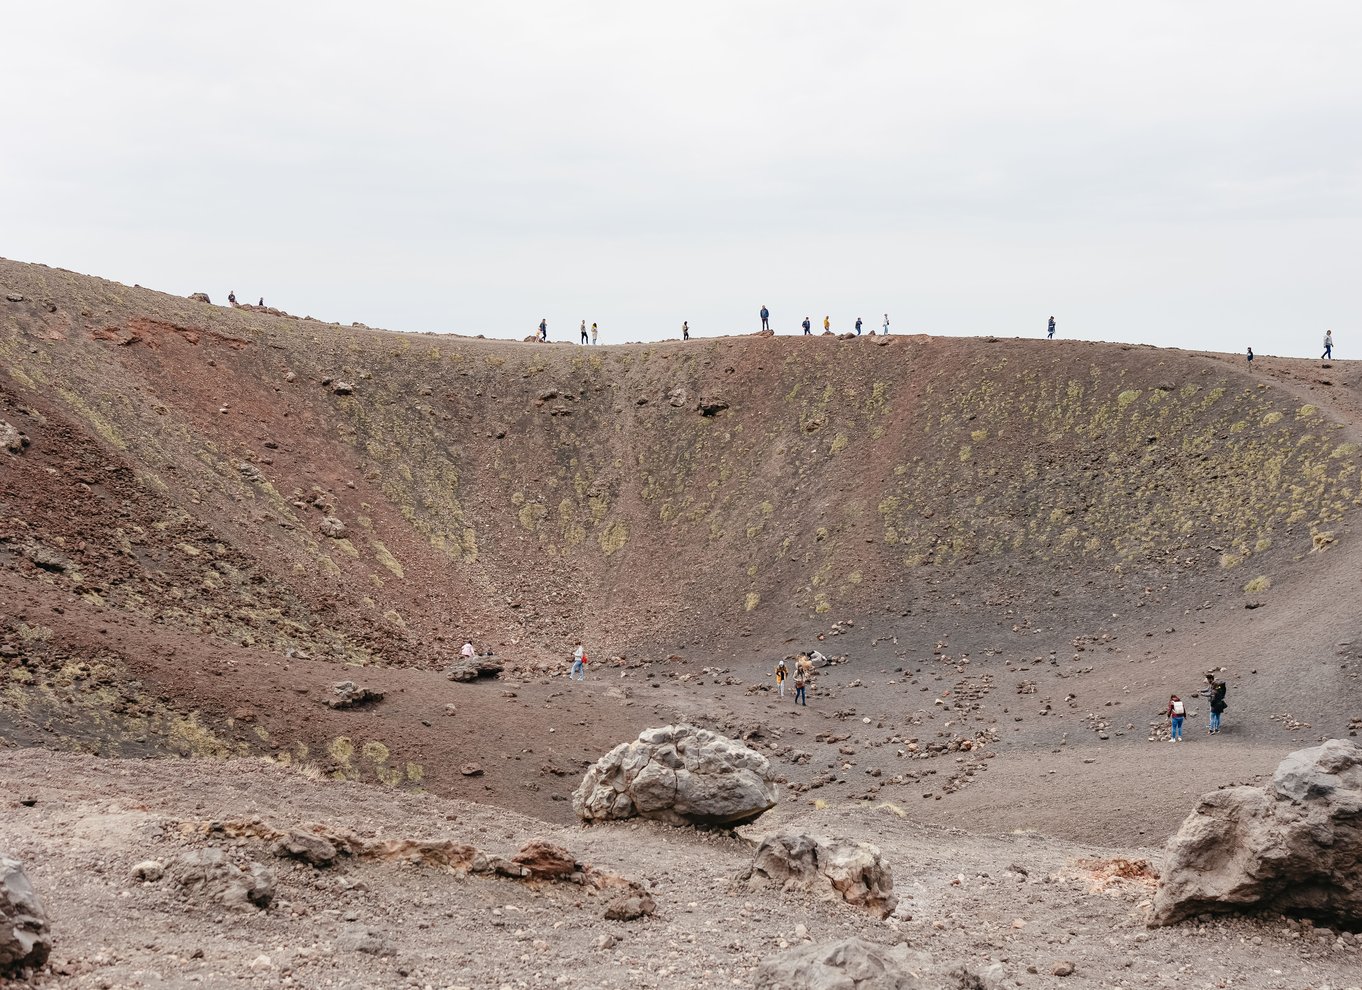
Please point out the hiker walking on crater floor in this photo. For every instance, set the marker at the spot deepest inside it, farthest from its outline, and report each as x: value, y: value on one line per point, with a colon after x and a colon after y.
x: 765, y: 318
x: 1215, y: 691
x: 1050, y: 331
x: 1328, y: 346
x: 579, y: 662
x: 782, y: 671
x: 584, y: 331
x: 801, y: 681
x: 1177, y: 711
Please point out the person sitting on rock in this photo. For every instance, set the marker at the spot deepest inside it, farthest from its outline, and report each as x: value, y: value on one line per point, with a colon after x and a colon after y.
x: 467, y: 652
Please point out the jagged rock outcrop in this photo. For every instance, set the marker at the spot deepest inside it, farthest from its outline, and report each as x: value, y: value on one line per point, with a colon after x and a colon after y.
x: 348, y: 694
x: 24, y: 938
x: 468, y: 669
x: 855, y: 964
x: 207, y: 873
x: 1292, y: 846
x: 678, y: 774
x: 851, y: 870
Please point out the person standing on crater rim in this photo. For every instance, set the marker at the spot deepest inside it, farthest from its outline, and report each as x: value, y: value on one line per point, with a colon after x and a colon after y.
x: 765, y: 318
x: 1050, y: 331
x: 544, y: 329
x: 858, y: 326
x: 806, y: 325
x: 886, y: 324
x: 594, y: 332
x: 1328, y: 346
x: 685, y: 330
x: 827, y: 324
x: 584, y: 331
x: 1250, y: 357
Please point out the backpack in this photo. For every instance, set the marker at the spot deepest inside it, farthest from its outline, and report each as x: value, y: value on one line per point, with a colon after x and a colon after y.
x: 1179, y: 708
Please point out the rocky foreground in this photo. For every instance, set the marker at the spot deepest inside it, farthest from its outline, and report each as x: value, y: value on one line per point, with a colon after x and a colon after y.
x: 270, y: 879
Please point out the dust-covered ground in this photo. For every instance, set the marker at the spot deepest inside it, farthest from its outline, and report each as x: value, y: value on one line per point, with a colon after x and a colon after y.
x: 1019, y: 900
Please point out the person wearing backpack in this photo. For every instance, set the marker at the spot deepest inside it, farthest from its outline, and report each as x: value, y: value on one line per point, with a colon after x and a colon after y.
x: 801, y: 681
x: 1177, y: 711
x: 806, y: 325
x: 578, y: 671
x: 1216, y: 691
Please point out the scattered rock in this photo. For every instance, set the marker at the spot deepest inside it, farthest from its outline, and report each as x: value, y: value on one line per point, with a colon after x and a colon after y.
x: 471, y: 770
x: 542, y: 860
x: 630, y: 907
x: 149, y: 870
x: 24, y: 938
x: 711, y: 406
x: 1062, y: 968
x: 14, y: 297
x: 854, y: 964
x: 1293, y: 846
x: 466, y: 669
x: 351, y: 695
x: 332, y: 527
x: 311, y: 849
x: 207, y: 873
x: 200, y: 297
x: 681, y: 775
x: 853, y: 870
x: 12, y: 439
x: 343, y: 388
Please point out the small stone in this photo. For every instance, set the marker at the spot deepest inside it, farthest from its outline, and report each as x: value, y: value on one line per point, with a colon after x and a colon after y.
x: 149, y: 870
x: 1062, y: 968
x: 471, y: 770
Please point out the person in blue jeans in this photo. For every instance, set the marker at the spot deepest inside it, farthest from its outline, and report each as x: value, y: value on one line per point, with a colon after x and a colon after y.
x: 1215, y: 691
x: 578, y: 672
x: 1176, y: 713
x: 800, y: 697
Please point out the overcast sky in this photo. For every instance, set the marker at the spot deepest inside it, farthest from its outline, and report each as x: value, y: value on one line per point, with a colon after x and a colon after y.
x: 1179, y: 173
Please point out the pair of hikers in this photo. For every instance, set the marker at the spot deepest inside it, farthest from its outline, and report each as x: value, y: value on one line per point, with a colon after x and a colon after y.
x: 594, y: 332
x: 803, y: 673
x: 1177, y: 709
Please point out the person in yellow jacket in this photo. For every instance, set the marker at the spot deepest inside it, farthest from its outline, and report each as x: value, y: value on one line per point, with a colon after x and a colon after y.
x: 827, y: 324
x: 782, y: 671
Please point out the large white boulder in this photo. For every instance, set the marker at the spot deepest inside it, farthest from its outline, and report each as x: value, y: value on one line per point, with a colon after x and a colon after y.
x: 1293, y: 846
x: 679, y: 774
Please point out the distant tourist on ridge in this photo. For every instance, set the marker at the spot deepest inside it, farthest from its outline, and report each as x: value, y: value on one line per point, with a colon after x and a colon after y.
x: 544, y: 329
x: 1328, y: 346
x: 685, y: 330
x: 1050, y: 333
x: 1250, y: 355
x: 827, y: 324
x: 806, y: 325
x: 584, y: 331
x: 594, y: 333
x: 765, y: 318
x: 231, y: 297
x: 886, y: 324
x: 858, y: 326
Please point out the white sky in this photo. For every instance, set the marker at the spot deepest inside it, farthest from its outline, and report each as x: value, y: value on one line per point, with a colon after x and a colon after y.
x: 1181, y: 173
